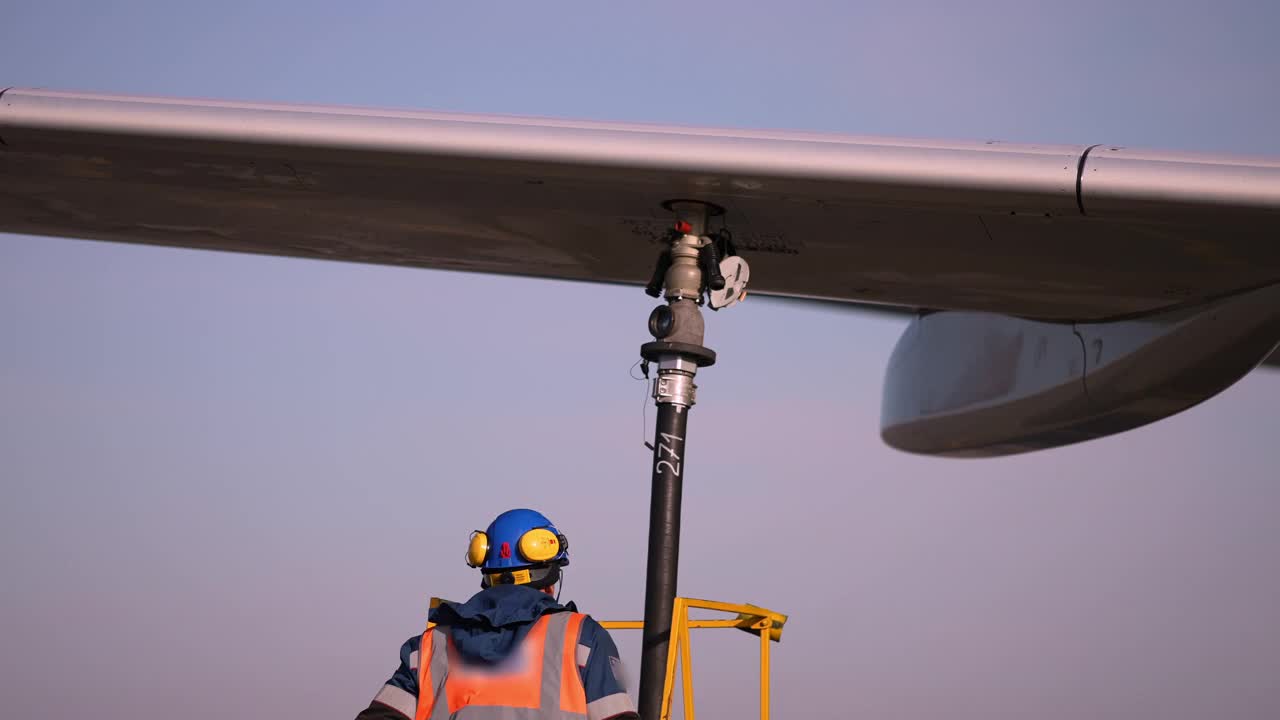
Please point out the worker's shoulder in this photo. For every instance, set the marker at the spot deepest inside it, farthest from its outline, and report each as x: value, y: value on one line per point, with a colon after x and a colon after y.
x: 412, y: 645
x: 587, y: 620
x: 593, y: 633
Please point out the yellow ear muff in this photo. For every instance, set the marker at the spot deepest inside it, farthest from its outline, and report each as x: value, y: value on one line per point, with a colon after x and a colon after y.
x: 478, y: 549
x: 539, y: 545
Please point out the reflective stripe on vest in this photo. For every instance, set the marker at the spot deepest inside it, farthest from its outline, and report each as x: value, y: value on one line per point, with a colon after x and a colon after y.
x: 539, y: 681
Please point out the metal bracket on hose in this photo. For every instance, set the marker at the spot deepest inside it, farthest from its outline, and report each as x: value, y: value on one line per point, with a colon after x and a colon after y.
x: 676, y: 388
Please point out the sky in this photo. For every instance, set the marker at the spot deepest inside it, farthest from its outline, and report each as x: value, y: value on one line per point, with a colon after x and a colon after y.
x: 229, y: 484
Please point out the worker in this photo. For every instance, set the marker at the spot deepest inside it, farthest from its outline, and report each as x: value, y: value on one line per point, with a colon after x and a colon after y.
x: 512, y: 650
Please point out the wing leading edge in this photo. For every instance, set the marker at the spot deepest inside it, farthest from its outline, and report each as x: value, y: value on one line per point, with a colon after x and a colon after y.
x: 1042, y: 231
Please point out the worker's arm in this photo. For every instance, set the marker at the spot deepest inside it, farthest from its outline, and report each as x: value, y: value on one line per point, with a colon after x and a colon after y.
x: 602, y: 675
x: 398, y: 698
x: 378, y: 711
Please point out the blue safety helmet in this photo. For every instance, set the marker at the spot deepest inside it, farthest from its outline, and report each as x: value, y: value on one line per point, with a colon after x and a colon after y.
x: 520, y: 547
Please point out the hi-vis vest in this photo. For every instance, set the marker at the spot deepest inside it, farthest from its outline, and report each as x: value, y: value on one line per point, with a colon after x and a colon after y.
x: 539, y: 681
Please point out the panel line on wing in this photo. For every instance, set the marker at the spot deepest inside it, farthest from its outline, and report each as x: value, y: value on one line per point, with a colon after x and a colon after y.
x: 2, y: 92
x: 1084, y: 156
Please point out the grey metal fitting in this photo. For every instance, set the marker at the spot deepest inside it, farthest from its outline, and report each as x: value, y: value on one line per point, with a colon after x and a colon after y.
x: 675, y: 387
x: 677, y: 363
x: 684, y: 277
x: 687, y: 326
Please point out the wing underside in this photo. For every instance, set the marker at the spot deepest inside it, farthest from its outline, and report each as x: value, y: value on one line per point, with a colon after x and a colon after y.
x: 1047, y: 232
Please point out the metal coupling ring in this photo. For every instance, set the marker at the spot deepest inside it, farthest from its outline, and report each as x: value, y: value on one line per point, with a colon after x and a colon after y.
x: 675, y: 387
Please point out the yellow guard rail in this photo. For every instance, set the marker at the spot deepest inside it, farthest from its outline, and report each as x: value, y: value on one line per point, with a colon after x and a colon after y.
x: 766, y: 624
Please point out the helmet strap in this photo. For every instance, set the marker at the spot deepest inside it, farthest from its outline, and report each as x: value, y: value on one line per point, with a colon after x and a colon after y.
x: 537, y: 577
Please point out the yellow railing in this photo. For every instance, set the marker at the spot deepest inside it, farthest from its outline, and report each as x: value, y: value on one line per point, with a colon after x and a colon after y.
x: 767, y: 624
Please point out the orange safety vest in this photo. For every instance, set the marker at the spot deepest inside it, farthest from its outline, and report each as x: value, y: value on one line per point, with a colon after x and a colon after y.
x: 539, y: 681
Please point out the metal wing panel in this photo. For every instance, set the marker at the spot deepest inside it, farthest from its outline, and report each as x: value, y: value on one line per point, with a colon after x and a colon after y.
x: 968, y: 176
x: 980, y: 226
x: 1230, y: 190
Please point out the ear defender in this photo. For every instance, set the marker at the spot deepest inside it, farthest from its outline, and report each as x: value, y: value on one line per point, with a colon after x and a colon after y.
x: 540, y: 545
x: 478, y: 549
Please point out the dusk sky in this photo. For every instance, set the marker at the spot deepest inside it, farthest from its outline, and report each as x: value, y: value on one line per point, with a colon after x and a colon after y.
x: 229, y: 484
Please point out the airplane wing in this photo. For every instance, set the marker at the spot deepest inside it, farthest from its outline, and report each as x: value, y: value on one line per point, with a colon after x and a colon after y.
x: 1053, y: 233
x: 1043, y: 231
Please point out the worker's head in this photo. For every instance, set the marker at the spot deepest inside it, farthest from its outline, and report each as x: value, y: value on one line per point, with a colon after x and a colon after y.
x: 520, y: 547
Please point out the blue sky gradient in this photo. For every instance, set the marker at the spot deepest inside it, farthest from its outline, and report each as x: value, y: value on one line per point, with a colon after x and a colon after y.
x: 228, y: 484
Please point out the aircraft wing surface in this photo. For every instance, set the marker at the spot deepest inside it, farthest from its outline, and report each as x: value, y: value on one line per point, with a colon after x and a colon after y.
x: 1051, y: 232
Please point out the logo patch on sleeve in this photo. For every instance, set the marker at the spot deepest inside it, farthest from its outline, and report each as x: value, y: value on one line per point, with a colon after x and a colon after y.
x: 619, y: 672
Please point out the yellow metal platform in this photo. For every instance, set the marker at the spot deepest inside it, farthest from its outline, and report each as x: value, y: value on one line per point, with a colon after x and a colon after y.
x: 764, y: 623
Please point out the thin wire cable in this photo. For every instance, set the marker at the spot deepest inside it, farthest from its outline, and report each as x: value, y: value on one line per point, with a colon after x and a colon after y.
x: 644, y: 404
